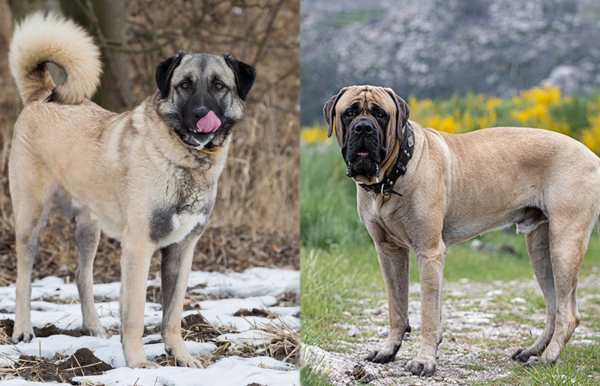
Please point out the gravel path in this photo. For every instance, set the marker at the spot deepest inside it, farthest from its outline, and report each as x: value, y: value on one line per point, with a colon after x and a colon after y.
x: 483, y: 324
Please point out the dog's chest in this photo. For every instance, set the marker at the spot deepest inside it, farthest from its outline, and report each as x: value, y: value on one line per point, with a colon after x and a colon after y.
x: 386, y: 221
x: 171, y: 223
x: 183, y: 225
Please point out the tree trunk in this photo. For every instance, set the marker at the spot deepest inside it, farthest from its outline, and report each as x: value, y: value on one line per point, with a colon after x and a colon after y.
x: 114, y: 93
x: 22, y: 8
x: 115, y: 88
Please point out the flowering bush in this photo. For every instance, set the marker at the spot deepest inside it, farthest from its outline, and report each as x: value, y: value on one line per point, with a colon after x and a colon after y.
x: 544, y: 108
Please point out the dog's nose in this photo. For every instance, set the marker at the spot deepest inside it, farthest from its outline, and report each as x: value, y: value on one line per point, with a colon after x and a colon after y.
x: 363, y: 127
x: 199, y: 112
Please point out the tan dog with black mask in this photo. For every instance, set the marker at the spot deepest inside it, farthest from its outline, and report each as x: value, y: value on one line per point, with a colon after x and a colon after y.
x: 147, y: 177
x: 424, y: 190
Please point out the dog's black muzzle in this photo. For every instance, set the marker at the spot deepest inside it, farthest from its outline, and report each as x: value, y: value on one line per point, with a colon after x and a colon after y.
x: 363, y: 151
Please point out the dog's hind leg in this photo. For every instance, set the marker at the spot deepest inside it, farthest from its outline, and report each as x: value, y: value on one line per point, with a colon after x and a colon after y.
x: 175, y: 268
x: 31, y: 206
x: 568, y: 243
x: 539, y: 252
x: 87, y: 236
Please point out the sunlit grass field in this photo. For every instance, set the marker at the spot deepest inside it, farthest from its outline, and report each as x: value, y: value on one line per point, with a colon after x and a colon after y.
x: 339, y: 263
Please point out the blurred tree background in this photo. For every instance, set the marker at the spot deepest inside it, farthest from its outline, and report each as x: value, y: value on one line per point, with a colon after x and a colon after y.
x: 255, y: 221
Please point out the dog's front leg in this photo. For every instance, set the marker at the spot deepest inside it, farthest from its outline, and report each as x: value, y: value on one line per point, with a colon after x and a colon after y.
x: 135, y: 264
x: 431, y: 272
x: 393, y: 261
x: 175, y: 269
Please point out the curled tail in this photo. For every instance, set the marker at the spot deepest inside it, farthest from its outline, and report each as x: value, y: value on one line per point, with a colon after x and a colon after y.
x: 51, y: 38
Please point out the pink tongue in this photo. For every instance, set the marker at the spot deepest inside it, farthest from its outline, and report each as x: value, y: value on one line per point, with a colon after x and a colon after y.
x: 208, y: 123
x: 362, y: 153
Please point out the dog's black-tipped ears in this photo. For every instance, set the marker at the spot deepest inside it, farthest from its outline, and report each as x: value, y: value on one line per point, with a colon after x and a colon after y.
x: 402, y: 112
x: 164, y: 72
x: 329, y: 110
x: 244, y: 75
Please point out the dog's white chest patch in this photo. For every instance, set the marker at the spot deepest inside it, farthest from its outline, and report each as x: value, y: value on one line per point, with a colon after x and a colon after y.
x: 183, y: 224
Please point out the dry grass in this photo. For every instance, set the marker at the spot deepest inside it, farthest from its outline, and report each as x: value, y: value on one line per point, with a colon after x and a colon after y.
x: 259, y: 189
x: 57, y: 369
x: 286, y: 345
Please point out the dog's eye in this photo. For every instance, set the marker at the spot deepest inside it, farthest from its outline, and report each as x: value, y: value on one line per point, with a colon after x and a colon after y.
x: 185, y: 85
x: 219, y: 86
x: 380, y: 114
x: 350, y: 114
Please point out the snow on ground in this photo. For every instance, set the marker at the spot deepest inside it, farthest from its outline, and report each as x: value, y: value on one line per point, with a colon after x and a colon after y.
x: 234, y: 371
x: 255, y: 288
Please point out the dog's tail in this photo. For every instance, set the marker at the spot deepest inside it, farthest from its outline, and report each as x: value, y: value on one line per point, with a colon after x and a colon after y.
x: 51, y: 38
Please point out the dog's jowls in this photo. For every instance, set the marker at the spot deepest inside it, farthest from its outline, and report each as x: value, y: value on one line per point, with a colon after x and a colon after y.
x: 147, y: 177
x: 459, y: 186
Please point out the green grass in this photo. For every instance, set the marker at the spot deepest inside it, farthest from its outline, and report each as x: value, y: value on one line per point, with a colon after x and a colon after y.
x: 331, y: 283
x: 339, y: 265
x: 578, y: 365
x: 328, y: 215
x: 312, y: 377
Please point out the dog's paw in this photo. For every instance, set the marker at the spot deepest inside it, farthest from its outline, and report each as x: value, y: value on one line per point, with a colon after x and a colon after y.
x: 183, y: 358
x: 98, y: 332
x: 521, y: 355
x: 421, y: 367
x: 145, y: 365
x: 533, y: 362
x: 22, y: 334
x: 381, y: 356
x: 188, y: 361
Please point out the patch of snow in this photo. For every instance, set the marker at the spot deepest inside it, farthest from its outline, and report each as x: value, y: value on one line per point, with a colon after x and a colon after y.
x: 252, y: 282
x: 220, y: 312
x: 252, y: 337
x: 231, y: 371
x: 285, y: 311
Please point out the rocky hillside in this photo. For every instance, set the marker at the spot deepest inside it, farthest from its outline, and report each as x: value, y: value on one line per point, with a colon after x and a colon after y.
x: 435, y: 48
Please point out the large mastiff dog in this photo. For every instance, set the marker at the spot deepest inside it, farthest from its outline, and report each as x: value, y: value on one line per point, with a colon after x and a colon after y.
x: 147, y: 177
x: 422, y: 189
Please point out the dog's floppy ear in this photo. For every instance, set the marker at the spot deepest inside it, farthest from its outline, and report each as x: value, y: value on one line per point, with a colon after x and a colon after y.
x: 329, y: 110
x: 164, y: 72
x: 402, y: 112
x: 244, y: 75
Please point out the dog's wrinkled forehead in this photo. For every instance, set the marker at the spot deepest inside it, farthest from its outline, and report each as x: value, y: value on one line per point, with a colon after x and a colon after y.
x: 363, y: 96
x: 366, y: 96
x: 204, y: 66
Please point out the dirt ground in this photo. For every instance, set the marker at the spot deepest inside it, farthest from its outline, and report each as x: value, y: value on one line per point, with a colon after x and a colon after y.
x: 220, y: 249
x: 483, y: 324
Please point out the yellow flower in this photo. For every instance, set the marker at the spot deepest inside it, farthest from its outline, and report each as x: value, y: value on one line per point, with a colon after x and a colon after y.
x: 467, y: 124
x: 492, y: 103
x: 484, y: 122
x: 447, y: 124
x: 537, y: 112
x: 591, y: 138
x: 314, y: 134
x: 544, y: 96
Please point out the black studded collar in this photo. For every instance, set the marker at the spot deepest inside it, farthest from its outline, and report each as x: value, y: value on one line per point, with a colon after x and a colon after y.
x: 407, y: 146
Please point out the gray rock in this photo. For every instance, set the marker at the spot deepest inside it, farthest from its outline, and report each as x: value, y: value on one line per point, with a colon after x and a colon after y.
x: 436, y: 48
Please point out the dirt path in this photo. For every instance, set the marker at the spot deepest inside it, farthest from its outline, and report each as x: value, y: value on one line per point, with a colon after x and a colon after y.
x: 483, y: 324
